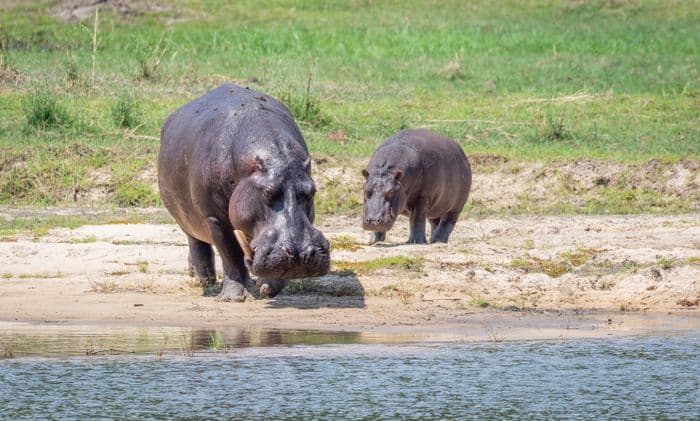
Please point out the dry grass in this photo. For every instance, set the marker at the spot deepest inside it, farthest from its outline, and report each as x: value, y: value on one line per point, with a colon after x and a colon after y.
x: 104, y: 287
x: 552, y: 268
x: 43, y: 275
x: 345, y: 242
x: 579, y: 256
x: 404, y: 291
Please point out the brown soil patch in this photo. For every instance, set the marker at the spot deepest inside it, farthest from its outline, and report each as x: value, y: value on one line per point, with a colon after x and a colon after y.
x: 79, y: 10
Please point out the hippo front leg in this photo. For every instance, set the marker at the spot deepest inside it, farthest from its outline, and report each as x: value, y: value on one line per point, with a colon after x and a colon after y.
x: 417, y: 224
x: 377, y: 237
x: 236, y: 277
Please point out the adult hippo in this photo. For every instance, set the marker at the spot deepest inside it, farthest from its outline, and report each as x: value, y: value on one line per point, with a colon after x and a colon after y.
x: 234, y: 172
x: 420, y: 174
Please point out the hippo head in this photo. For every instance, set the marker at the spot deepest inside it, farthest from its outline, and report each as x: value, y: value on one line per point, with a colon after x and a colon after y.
x: 384, y: 199
x: 272, y: 210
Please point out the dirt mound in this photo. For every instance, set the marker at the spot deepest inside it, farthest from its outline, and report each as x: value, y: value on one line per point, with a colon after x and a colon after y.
x: 585, y: 186
x: 79, y: 10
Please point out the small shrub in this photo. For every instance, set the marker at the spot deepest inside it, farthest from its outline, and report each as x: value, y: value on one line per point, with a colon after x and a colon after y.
x: 126, y: 112
x: 555, y: 129
x: 304, y: 107
x: 72, y: 71
x: 149, y: 63
x: 480, y: 302
x: 666, y: 263
x: 44, y: 111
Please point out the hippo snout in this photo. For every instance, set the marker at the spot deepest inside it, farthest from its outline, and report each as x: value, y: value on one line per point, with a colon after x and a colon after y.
x: 379, y: 224
x: 289, y: 261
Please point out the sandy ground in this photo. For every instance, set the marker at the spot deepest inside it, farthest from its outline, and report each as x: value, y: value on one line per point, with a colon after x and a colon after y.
x: 555, y: 272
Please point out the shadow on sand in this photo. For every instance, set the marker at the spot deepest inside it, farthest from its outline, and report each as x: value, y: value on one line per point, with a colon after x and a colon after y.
x: 338, y: 289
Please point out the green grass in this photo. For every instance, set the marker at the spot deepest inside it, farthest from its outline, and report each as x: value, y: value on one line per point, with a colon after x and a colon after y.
x: 39, y: 224
x: 535, y: 80
x: 480, y: 302
x: 395, y: 262
x: 126, y: 111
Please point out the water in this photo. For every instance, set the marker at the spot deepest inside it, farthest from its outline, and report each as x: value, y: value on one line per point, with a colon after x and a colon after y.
x: 275, y: 374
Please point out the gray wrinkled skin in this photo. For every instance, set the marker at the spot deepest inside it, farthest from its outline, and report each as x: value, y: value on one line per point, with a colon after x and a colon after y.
x: 420, y: 174
x: 235, y: 159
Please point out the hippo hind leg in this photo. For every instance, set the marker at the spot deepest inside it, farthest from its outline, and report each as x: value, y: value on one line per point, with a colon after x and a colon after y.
x: 441, y: 233
x: 201, y: 262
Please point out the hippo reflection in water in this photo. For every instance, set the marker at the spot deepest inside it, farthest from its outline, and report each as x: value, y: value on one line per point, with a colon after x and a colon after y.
x: 235, y: 160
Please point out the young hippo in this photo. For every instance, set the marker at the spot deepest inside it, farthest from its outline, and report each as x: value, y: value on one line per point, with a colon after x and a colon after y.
x: 417, y: 173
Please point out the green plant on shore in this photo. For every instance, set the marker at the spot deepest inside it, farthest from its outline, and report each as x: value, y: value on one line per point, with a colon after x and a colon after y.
x: 44, y: 111
x: 304, y: 107
x: 149, y: 62
x: 407, y: 263
x: 126, y: 112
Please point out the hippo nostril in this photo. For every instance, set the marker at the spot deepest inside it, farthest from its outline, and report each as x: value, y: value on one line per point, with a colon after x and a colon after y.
x: 289, y: 249
x: 308, y: 254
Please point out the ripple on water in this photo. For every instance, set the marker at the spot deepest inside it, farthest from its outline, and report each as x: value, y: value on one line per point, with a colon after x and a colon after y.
x: 649, y: 377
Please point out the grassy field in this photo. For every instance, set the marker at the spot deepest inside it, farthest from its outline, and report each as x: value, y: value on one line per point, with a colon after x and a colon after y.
x: 532, y: 81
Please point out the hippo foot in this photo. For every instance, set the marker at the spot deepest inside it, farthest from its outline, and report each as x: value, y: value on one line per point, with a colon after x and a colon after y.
x: 377, y: 237
x: 270, y: 288
x: 233, y: 292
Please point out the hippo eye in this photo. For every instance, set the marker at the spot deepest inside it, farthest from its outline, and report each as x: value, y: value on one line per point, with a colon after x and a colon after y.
x: 389, y: 195
x: 271, y: 194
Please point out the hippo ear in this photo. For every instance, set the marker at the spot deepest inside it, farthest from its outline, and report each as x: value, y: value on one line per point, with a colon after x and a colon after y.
x: 365, y: 174
x: 398, y: 174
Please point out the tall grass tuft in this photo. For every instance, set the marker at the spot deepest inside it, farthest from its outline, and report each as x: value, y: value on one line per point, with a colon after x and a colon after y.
x: 126, y: 112
x: 44, y: 111
x: 304, y: 107
x: 149, y: 63
x: 74, y: 77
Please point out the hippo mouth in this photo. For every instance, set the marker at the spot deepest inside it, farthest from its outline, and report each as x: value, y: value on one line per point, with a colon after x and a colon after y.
x: 378, y: 225
x: 281, y: 264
